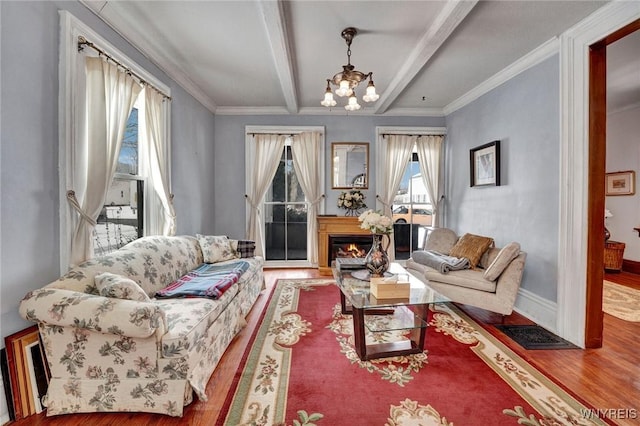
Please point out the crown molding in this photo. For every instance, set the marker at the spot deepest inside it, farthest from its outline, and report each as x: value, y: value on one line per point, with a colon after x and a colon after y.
x: 537, y: 55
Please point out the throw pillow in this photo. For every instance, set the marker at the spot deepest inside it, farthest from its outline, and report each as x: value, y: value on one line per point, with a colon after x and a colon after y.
x: 216, y: 248
x: 119, y: 287
x: 472, y: 247
x: 502, y: 260
x: 246, y: 248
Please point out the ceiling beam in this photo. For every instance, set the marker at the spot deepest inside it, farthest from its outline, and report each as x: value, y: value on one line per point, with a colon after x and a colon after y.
x: 275, y: 24
x: 449, y: 18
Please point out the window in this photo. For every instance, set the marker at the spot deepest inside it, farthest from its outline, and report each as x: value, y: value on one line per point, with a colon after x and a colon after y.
x: 404, y: 193
x: 281, y: 219
x: 411, y: 211
x: 136, y: 198
x: 122, y: 217
x: 285, y: 213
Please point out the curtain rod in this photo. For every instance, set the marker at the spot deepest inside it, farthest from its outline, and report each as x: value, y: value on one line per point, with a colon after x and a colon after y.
x: 277, y: 134
x: 384, y: 135
x: 82, y: 41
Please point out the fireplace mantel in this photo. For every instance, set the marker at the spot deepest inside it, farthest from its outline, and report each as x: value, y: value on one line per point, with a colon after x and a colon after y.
x: 334, y: 225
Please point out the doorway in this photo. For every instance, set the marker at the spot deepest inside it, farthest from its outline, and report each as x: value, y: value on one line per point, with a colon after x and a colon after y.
x: 596, y: 172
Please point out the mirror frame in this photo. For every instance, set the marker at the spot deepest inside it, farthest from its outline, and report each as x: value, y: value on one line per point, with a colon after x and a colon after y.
x: 335, y: 146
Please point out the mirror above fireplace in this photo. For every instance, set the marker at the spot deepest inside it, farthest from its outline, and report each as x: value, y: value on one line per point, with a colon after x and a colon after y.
x: 350, y: 165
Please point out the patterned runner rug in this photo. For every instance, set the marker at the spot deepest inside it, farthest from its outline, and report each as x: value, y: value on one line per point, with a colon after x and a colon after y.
x: 301, y: 369
x: 621, y: 302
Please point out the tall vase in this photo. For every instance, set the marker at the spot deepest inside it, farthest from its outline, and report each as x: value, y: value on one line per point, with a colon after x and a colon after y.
x: 377, y: 260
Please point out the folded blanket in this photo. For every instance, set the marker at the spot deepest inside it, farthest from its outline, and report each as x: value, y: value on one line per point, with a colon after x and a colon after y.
x: 208, y: 280
x: 440, y: 262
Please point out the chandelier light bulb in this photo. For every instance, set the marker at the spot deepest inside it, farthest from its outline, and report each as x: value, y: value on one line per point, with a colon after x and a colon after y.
x: 353, y: 104
x: 371, y: 95
x: 344, y: 89
x: 328, y: 100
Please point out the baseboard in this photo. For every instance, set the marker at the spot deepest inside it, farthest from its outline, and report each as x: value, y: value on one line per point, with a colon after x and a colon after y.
x: 538, y: 309
x: 631, y: 266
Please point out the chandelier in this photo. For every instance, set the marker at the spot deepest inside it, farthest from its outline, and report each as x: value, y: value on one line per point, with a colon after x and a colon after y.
x: 348, y: 79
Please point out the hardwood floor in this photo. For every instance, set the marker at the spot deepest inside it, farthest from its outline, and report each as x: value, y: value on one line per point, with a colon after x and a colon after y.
x: 606, y: 379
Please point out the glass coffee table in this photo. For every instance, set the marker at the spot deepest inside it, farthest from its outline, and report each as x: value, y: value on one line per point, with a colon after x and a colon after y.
x: 410, y: 313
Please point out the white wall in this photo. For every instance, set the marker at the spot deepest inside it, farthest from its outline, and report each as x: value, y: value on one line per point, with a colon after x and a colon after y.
x: 623, y: 153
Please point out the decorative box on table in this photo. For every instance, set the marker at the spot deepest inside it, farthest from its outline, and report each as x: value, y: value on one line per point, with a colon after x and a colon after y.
x: 394, y: 287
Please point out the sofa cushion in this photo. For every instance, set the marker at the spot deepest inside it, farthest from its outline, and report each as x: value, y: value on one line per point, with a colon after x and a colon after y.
x: 441, y: 240
x: 468, y: 278
x: 471, y: 247
x: 502, y: 260
x: 119, y: 287
x: 216, y: 248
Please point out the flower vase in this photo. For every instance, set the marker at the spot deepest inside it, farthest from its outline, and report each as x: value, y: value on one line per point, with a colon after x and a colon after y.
x: 377, y: 260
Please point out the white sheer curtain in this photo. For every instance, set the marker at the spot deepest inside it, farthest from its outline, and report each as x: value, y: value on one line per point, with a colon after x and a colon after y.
x: 110, y: 96
x: 268, y: 150
x: 394, y: 163
x: 304, y: 150
x: 430, y: 156
x: 159, y: 157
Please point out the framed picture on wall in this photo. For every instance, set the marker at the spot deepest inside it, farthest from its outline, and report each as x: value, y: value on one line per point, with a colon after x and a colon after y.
x: 620, y: 183
x: 485, y: 164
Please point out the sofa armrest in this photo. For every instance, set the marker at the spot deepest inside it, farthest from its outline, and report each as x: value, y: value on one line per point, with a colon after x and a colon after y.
x: 510, y: 279
x: 68, y: 308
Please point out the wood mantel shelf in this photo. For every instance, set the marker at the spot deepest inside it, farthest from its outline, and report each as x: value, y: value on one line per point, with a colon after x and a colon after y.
x: 637, y: 230
x: 334, y: 226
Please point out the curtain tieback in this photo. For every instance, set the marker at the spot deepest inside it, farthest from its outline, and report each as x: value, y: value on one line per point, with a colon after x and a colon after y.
x: 251, y: 203
x: 317, y: 200
x: 381, y: 201
x: 71, y: 197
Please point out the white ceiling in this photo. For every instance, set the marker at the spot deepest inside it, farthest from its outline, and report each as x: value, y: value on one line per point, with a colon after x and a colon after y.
x: 273, y: 57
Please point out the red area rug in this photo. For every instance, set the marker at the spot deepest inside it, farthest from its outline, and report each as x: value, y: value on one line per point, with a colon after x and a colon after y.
x: 301, y: 369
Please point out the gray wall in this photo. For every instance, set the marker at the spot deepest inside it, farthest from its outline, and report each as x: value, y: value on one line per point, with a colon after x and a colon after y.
x: 523, y: 114
x: 230, y: 218
x: 29, y: 218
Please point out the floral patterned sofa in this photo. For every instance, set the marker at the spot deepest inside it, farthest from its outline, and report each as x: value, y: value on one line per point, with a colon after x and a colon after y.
x: 134, y: 352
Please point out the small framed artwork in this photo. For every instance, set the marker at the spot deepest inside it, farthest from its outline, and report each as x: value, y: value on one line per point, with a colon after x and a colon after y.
x: 28, y: 372
x: 621, y: 183
x: 485, y: 164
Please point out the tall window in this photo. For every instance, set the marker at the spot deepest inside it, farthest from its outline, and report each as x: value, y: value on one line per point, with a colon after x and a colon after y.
x: 285, y: 213
x: 409, y: 163
x: 282, y: 206
x: 135, y: 201
x: 411, y: 211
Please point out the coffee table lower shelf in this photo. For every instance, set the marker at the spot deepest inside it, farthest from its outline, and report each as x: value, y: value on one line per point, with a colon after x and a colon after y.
x: 368, y: 352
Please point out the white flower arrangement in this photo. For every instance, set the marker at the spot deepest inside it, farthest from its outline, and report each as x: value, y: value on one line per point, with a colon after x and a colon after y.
x: 351, y: 200
x: 375, y: 222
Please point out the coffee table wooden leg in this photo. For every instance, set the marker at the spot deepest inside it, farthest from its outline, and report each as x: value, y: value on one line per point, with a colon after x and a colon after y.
x: 358, y: 333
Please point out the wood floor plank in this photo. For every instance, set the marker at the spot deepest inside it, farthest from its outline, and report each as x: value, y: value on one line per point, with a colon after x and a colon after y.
x: 605, y: 378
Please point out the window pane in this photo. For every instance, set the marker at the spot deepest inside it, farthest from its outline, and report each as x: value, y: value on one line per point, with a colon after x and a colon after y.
x: 297, y: 232
x: 128, y: 158
x: 120, y: 221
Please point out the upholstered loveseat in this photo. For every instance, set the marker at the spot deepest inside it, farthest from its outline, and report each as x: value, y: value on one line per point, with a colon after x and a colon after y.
x: 491, y: 279
x: 129, y: 350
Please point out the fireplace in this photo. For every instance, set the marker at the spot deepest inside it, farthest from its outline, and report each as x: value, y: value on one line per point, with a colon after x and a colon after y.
x: 333, y: 227
x: 348, y: 246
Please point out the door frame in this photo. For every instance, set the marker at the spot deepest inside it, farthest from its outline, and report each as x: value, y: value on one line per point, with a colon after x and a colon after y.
x: 575, y: 295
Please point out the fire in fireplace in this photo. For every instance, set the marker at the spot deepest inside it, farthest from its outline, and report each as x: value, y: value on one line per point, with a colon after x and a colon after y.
x: 349, y: 246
